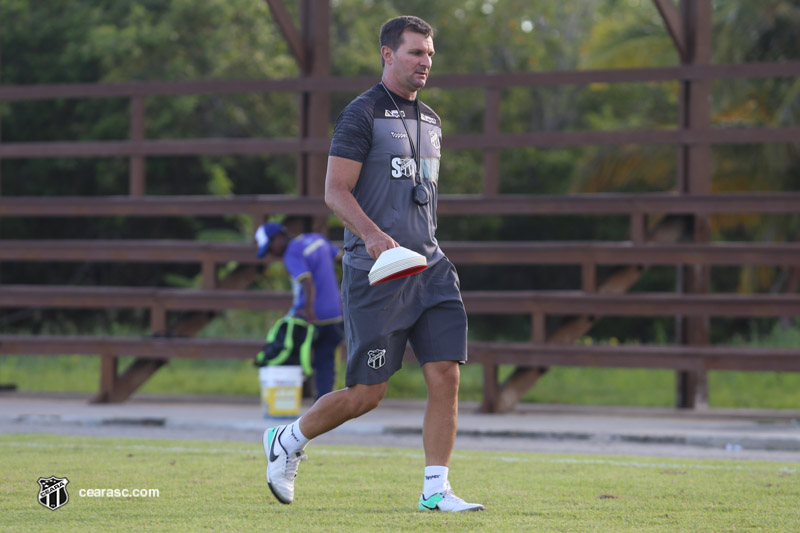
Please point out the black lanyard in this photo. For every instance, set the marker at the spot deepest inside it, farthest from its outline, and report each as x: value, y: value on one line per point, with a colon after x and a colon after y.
x: 419, y: 194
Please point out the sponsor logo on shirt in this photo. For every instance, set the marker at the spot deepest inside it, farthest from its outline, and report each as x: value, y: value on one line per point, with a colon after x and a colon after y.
x: 427, y: 118
x: 405, y: 168
x: 394, y: 113
x: 398, y: 135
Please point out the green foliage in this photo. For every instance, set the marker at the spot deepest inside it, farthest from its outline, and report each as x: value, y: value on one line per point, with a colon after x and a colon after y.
x: 744, y: 31
x: 108, y: 42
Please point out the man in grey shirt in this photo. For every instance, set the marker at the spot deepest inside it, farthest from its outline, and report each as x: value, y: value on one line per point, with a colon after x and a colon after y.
x: 382, y: 183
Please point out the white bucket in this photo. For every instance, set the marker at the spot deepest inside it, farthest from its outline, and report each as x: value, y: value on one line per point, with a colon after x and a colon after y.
x: 281, y: 390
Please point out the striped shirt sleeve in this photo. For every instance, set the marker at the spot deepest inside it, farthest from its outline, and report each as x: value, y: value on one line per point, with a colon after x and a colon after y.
x: 352, y: 134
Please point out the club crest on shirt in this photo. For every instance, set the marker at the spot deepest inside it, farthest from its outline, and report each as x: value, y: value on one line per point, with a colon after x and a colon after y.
x: 435, y: 139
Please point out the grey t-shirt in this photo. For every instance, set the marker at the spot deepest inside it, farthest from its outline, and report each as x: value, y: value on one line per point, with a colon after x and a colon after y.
x: 370, y: 131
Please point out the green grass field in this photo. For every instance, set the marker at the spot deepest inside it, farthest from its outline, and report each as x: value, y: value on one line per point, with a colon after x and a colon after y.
x: 217, y: 486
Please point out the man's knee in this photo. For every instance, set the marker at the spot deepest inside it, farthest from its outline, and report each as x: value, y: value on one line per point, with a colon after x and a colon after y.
x: 442, y: 375
x: 367, y: 397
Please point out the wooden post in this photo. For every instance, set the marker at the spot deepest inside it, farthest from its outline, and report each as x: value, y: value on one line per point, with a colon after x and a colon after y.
x: 589, y: 277
x: 1, y: 123
x: 638, y: 227
x: 694, y: 178
x: 209, y: 274
x: 134, y: 377
x: 136, y: 166
x: 539, y: 327
x: 108, y: 378
x: 158, y: 321
x: 1, y: 140
x: 490, y: 388
x: 315, y: 30
x: 491, y: 157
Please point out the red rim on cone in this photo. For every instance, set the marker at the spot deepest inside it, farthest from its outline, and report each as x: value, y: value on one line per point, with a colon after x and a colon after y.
x: 396, y: 263
x: 402, y: 274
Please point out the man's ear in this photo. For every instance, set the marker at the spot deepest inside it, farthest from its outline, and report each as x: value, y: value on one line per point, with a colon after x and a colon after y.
x: 386, y: 54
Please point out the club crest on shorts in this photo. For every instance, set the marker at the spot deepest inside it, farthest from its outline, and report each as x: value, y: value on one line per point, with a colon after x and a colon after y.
x: 53, y: 492
x: 377, y: 358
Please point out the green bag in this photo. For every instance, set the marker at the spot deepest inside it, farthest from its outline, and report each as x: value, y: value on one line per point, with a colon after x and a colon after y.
x: 288, y: 343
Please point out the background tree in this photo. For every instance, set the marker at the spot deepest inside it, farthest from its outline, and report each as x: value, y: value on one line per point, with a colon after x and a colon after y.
x: 743, y: 31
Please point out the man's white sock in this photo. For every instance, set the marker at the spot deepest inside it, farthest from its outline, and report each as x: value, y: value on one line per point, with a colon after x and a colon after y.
x: 293, y: 439
x: 435, y: 480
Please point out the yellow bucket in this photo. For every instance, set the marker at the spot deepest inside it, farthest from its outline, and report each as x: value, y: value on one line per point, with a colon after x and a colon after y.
x: 281, y: 390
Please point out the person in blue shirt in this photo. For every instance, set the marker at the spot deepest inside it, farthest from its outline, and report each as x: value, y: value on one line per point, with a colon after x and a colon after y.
x: 309, y: 259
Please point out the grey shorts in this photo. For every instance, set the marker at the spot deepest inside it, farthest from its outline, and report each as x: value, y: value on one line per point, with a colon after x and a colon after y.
x: 424, y: 309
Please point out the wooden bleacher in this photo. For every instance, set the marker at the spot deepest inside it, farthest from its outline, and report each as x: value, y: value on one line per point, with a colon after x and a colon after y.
x: 155, y: 350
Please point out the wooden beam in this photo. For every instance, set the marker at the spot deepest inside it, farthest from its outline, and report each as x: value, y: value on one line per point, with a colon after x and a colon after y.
x: 290, y: 32
x: 59, y: 91
x: 672, y: 20
x: 319, y: 145
x: 449, y: 204
x: 37, y: 150
x: 690, y: 358
x: 460, y: 252
x: 538, y: 304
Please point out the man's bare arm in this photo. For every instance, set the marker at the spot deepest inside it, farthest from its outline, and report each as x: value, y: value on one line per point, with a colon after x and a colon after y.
x: 310, y: 292
x: 340, y: 181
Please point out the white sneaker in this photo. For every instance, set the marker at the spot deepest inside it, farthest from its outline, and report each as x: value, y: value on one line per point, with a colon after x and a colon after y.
x: 447, y: 501
x: 281, y: 466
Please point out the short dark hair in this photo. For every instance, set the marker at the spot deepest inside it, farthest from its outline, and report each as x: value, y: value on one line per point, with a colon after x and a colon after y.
x: 392, y: 30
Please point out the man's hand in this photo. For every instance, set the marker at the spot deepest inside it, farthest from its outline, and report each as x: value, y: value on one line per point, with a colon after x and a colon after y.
x: 377, y: 243
x: 340, y: 181
x: 308, y: 314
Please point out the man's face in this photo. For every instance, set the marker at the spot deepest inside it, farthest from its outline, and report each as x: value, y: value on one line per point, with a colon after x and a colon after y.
x: 278, y: 244
x: 410, y: 64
